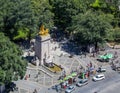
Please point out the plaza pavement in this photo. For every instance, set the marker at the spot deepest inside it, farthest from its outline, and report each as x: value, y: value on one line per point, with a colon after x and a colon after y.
x: 41, y: 78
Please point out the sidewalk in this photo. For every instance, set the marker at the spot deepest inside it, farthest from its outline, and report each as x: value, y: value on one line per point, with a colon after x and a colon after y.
x: 27, y: 86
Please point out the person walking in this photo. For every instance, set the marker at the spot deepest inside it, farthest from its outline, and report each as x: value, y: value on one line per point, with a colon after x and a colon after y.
x: 35, y: 91
x: 85, y: 54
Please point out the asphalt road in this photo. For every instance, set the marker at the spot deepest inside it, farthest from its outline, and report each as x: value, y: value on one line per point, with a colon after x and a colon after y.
x: 109, y: 85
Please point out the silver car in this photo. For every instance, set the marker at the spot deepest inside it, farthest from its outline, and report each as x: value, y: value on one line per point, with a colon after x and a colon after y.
x: 70, y: 89
x: 82, y: 82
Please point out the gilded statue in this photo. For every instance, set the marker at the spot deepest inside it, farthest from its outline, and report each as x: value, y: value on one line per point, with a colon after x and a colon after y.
x: 43, y: 31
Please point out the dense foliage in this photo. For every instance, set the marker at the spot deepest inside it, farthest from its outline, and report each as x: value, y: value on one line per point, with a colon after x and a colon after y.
x: 12, y: 66
x: 90, y: 28
x: 64, y: 10
x: 69, y: 17
x: 22, y: 18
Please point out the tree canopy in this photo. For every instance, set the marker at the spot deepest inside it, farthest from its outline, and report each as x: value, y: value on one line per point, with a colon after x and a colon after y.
x: 90, y: 28
x: 64, y: 10
x: 22, y: 18
x: 11, y: 64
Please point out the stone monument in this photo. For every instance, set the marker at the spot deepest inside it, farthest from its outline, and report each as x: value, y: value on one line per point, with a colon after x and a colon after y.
x: 42, y: 45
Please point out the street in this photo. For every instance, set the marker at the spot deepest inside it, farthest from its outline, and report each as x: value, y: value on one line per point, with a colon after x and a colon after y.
x: 109, y: 85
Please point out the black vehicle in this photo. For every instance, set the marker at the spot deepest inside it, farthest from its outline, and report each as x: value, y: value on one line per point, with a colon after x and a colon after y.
x: 101, y: 70
x: 56, y: 87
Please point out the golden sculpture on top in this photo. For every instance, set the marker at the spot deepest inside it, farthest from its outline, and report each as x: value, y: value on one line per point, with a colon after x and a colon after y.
x: 43, y: 31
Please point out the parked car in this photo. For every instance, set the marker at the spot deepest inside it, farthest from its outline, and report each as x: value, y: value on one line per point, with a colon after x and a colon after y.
x: 99, y: 77
x: 70, y: 89
x: 82, y: 82
x: 101, y: 70
x: 56, y: 87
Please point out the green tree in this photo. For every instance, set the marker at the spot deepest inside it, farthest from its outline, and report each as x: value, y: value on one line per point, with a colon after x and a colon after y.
x: 90, y: 28
x: 116, y: 34
x: 16, y: 14
x: 11, y: 64
x: 43, y: 10
x: 22, y: 18
x: 64, y: 10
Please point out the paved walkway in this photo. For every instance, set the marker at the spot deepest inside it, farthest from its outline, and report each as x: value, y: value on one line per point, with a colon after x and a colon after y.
x: 26, y: 86
x: 40, y: 77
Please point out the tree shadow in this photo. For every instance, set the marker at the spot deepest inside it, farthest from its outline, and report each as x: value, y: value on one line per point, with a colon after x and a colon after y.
x: 66, y: 44
x: 10, y: 87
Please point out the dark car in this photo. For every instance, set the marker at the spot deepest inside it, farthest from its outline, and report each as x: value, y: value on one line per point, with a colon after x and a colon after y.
x: 101, y: 70
x: 56, y: 87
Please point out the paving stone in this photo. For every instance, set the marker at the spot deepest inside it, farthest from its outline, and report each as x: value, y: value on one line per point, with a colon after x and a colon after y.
x: 23, y: 91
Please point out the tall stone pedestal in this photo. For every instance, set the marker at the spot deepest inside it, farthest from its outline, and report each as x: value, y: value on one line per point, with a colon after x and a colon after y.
x: 42, y: 48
